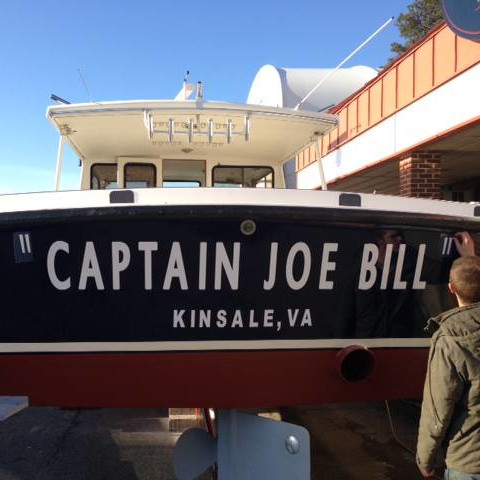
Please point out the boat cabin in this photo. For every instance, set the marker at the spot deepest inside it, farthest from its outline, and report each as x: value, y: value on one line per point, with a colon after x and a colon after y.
x: 184, y: 144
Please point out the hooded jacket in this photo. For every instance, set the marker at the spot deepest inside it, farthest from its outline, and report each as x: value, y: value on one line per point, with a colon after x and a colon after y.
x: 450, y: 421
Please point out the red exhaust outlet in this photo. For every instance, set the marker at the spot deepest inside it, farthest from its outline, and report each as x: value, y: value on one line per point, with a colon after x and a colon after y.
x: 355, y: 363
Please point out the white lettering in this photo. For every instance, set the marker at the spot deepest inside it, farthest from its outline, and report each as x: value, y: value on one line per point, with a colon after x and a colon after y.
x: 417, y: 283
x: 221, y: 318
x: 252, y: 323
x: 368, y: 271
x: 386, y: 266
x: 306, y: 319
x: 398, y: 283
x: 292, y: 316
x: 204, y: 319
x: 302, y: 248
x: 58, y: 246
x: 268, y: 318
x: 120, y: 261
x: 175, y: 268
x: 237, y: 319
x: 147, y: 248
x: 268, y: 284
x: 202, y: 266
x: 90, y: 268
x: 231, y: 269
x: 178, y: 319
x: 327, y: 266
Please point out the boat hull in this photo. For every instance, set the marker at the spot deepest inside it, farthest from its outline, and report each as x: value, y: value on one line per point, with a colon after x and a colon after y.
x: 209, y: 379
x: 213, y: 306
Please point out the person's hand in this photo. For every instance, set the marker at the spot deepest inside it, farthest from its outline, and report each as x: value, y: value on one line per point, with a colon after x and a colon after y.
x: 464, y: 243
x: 427, y: 474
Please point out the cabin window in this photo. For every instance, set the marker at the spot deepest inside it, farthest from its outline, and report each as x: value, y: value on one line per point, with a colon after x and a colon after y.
x: 140, y: 175
x: 250, y: 177
x: 103, y: 176
x: 183, y: 173
x: 180, y: 184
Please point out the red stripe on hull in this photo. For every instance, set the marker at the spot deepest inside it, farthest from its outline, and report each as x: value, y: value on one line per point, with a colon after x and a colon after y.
x: 206, y: 379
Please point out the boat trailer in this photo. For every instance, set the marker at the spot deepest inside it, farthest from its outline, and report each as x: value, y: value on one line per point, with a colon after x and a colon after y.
x: 243, y: 446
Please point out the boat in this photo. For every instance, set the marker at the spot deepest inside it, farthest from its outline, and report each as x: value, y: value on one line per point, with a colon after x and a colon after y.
x: 183, y: 272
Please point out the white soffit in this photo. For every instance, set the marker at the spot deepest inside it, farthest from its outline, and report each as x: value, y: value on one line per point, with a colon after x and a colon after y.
x: 441, y: 110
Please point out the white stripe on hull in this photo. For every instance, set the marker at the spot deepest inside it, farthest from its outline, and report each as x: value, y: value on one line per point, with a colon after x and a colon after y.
x: 78, y: 347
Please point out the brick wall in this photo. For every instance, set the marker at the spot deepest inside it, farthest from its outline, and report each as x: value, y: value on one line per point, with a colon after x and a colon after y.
x: 421, y: 175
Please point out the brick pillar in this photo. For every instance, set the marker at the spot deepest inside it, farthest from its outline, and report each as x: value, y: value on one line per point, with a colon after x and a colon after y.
x: 421, y: 175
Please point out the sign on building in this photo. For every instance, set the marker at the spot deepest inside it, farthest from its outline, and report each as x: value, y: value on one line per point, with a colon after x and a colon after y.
x: 463, y: 17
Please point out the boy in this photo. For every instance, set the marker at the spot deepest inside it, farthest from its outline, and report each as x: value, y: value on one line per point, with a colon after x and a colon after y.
x: 450, y: 417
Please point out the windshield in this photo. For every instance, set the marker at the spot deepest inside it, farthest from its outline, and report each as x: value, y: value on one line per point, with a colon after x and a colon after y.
x: 250, y: 177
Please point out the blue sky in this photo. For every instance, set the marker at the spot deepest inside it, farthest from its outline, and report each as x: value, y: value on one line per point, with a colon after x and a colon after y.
x: 141, y: 50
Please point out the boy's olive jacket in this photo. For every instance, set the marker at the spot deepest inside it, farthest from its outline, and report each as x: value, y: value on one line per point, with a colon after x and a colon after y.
x: 450, y: 421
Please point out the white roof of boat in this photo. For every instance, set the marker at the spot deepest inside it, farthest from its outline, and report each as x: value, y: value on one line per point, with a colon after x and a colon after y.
x: 161, y: 127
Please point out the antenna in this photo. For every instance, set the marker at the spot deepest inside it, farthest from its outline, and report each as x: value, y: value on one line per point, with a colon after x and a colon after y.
x: 89, y: 93
x: 58, y: 99
x: 185, y: 84
x: 186, y: 90
x: 199, y: 90
x: 329, y: 74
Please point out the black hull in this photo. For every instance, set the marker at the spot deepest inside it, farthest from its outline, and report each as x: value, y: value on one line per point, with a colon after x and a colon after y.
x: 191, y: 274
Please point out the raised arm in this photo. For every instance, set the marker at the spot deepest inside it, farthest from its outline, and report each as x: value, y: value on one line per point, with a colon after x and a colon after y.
x: 464, y: 243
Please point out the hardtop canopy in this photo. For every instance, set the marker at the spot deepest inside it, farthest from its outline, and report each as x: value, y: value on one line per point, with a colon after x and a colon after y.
x: 219, y: 131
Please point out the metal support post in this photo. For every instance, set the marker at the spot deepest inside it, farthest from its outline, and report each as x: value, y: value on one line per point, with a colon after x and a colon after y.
x: 58, y: 170
x: 318, y: 154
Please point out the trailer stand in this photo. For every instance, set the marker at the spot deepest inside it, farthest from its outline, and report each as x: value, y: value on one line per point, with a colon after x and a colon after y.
x: 247, y: 446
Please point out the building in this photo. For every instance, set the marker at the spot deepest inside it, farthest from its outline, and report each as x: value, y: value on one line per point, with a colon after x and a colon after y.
x: 413, y: 130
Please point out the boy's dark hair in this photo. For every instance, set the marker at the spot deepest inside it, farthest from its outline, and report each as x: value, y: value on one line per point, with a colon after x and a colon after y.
x: 465, y: 278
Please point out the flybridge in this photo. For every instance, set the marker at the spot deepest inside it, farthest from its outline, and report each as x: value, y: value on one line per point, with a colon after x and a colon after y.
x: 216, y: 133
